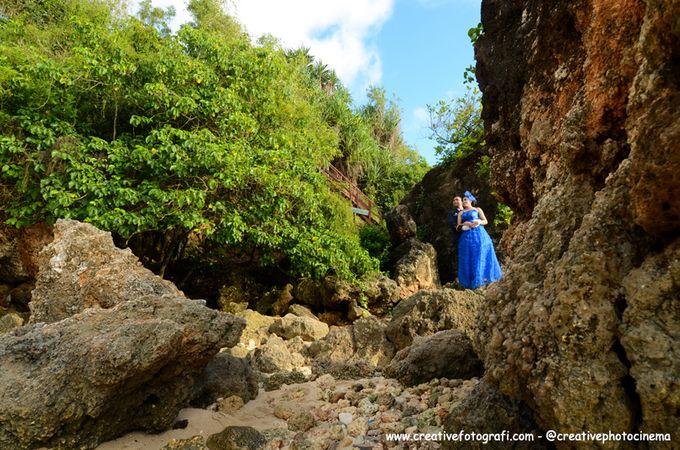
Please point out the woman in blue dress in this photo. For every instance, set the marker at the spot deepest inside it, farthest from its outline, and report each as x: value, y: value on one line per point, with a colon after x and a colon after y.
x: 477, y: 262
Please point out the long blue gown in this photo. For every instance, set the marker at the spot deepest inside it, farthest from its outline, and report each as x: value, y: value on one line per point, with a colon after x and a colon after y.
x: 477, y: 262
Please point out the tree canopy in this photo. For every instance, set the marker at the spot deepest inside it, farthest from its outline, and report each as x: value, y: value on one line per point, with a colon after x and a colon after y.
x: 114, y: 120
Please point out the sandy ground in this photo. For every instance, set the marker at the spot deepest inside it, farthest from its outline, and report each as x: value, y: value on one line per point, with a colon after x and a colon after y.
x: 257, y: 413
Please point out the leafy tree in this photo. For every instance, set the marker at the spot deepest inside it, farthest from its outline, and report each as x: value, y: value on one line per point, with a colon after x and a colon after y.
x: 391, y: 168
x: 372, y: 149
x: 156, y: 137
x: 456, y: 126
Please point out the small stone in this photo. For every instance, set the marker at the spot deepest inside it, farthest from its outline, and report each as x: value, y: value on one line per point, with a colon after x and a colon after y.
x: 345, y: 442
x: 247, y: 438
x: 283, y: 411
x: 367, y: 408
x: 180, y: 424
x: 336, y: 432
x: 444, y: 398
x: 392, y: 427
x: 301, y: 421
x: 455, y: 383
x: 411, y: 430
x: 230, y: 404
x: 385, y: 399
x: 336, y: 396
x: 389, y: 417
x: 345, y: 418
x: 325, y: 413
x: 10, y: 321
x: 194, y: 443
x: 357, y: 428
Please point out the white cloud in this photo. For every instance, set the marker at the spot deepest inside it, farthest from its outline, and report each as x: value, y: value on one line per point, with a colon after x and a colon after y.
x: 340, y: 33
x: 421, y: 117
x: 438, y: 3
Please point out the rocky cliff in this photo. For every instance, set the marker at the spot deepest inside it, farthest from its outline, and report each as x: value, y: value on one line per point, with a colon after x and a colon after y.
x: 580, y: 106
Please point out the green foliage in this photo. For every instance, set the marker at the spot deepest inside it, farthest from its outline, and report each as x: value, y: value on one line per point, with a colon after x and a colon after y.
x: 119, y: 123
x: 503, y: 216
x: 373, y: 152
x: 391, y: 168
x: 457, y: 127
x: 475, y: 32
x: 376, y: 240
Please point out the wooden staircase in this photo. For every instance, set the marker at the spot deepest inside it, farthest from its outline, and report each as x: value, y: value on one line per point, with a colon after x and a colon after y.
x: 362, y: 205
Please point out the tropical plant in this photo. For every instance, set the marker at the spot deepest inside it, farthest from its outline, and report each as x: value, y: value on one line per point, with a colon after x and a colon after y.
x: 110, y: 119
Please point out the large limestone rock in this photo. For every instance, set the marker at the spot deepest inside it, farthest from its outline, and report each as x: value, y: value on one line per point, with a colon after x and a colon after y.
x: 651, y: 329
x: 334, y: 294
x: 308, y: 328
x: 414, y: 267
x: 430, y: 311
x: 446, y: 354
x: 224, y: 376
x: 100, y: 373
x: 580, y: 107
x: 352, y: 351
x: 84, y: 269
x: 400, y: 225
x: 120, y: 351
x: 274, y: 356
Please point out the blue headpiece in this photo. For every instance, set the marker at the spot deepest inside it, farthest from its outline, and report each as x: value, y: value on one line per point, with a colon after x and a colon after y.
x: 469, y: 196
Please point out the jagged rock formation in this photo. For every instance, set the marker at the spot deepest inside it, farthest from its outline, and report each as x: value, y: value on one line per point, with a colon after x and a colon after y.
x: 446, y: 354
x: 430, y: 311
x: 414, y: 267
x: 83, y: 269
x: 486, y: 410
x: 224, y: 376
x: 19, y: 251
x: 123, y: 356
x: 100, y: 373
x: 580, y: 106
x: 413, y: 264
x: 334, y: 295
x: 400, y: 225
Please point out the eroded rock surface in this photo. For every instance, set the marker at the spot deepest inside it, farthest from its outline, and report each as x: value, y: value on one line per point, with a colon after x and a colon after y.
x: 430, y: 311
x: 446, y: 354
x: 580, y: 106
x: 414, y: 267
x: 82, y: 268
x: 102, y: 372
x: 120, y: 351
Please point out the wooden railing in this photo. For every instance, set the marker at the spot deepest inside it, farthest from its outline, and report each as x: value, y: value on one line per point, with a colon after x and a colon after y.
x: 363, y: 206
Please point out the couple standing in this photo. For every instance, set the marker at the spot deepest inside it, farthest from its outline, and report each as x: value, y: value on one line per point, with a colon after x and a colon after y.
x: 477, y: 262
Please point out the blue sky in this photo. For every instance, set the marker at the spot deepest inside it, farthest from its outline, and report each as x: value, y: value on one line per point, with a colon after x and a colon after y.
x: 424, y: 48
x: 416, y: 49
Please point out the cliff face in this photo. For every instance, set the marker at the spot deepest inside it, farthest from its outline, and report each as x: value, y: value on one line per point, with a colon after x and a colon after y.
x: 580, y: 102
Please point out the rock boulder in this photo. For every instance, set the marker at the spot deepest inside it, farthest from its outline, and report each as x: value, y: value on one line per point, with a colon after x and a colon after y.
x: 82, y: 268
x: 414, y: 267
x: 430, y: 311
x: 102, y: 372
x: 446, y: 354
